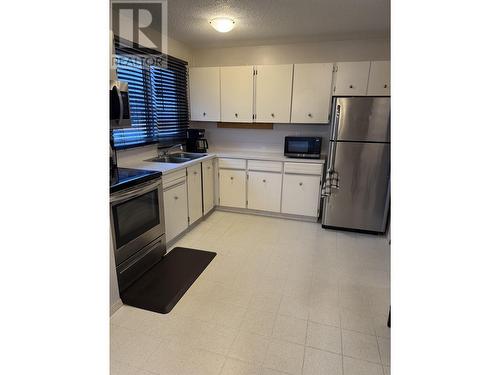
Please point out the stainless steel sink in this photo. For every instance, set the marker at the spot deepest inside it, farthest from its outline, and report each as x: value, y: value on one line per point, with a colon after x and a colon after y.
x: 180, y: 157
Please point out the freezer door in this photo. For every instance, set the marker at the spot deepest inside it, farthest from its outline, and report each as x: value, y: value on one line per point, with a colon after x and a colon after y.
x: 362, y: 119
x: 360, y: 198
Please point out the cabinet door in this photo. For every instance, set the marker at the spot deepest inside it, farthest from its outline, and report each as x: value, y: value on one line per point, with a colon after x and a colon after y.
x: 312, y: 85
x: 273, y: 93
x: 300, y: 195
x: 208, y: 186
x: 232, y: 188
x: 236, y: 85
x: 204, y: 94
x: 264, y: 191
x: 351, y: 78
x: 176, y: 210
x: 379, y: 82
x: 195, y: 205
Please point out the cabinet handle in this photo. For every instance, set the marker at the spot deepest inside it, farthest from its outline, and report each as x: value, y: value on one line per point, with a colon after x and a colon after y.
x: 300, y: 183
x: 309, y: 115
x: 272, y: 114
x: 351, y: 86
x: 235, y: 115
x: 208, y: 167
x: 232, y: 178
x: 195, y: 173
x: 176, y: 198
x: 264, y: 180
x: 204, y: 114
x: 385, y: 86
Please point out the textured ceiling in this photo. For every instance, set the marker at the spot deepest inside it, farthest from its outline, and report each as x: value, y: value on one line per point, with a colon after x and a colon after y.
x: 261, y: 21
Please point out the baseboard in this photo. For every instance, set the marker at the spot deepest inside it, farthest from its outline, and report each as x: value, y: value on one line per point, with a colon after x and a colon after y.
x: 115, y: 306
x: 278, y: 215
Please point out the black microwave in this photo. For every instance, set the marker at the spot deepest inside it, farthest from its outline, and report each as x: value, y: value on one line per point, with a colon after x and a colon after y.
x: 303, y: 147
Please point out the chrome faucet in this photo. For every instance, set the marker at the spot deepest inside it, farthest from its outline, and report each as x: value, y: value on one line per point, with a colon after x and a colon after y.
x: 171, y: 148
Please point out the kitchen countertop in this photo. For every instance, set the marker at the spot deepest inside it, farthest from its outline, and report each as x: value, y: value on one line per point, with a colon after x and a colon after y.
x: 272, y: 156
x: 250, y: 155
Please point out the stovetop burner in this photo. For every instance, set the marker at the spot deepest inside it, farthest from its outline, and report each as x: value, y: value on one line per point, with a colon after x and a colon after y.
x: 122, y: 178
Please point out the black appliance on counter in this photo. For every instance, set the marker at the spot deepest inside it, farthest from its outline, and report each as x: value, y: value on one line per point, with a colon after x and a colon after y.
x: 137, y: 222
x: 196, y: 141
x: 303, y: 147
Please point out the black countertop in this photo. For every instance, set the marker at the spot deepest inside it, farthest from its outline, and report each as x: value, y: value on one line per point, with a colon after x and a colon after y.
x: 122, y: 178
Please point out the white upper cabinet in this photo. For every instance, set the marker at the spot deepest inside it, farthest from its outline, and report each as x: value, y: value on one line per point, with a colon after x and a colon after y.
x: 236, y: 85
x: 379, y: 82
x: 351, y: 78
x: 311, y: 93
x: 273, y: 93
x: 204, y: 94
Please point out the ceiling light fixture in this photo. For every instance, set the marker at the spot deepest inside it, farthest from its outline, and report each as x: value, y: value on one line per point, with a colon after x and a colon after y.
x: 222, y: 24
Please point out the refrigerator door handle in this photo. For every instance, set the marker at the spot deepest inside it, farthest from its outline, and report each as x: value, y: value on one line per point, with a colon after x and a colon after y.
x: 331, y: 151
x: 335, y: 180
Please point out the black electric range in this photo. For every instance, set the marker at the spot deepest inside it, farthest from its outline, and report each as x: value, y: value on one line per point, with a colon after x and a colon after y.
x: 122, y: 178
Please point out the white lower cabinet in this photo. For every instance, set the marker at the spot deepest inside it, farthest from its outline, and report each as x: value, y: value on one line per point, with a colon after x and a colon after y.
x: 195, y: 205
x: 300, y: 194
x: 208, y: 185
x: 176, y: 209
x: 272, y: 186
x: 264, y: 191
x: 232, y: 188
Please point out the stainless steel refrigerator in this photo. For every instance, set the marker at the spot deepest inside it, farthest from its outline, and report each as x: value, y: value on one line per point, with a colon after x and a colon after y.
x: 356, y: 193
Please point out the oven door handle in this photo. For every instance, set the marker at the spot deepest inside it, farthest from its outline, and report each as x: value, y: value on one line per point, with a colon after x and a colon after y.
x: 141, y: 189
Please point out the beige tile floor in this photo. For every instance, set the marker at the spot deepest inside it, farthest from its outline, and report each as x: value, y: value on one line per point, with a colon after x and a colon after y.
x: 280, y: 297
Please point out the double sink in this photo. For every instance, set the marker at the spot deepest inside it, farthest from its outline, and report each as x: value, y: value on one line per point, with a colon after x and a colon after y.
x: 177, y: 158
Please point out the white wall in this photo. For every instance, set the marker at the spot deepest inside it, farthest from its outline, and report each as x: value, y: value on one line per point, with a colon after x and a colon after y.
x: 325, y: 51
x: 173, y: 47
x: 136, y: 154
x: 260, y: 140
x: 179, y: 50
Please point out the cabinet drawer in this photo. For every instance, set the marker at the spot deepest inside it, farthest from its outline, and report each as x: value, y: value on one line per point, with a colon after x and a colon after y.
x: 173, y: 178
x: 304, y: 168
x: 266, y: 166
x: 232, y: 163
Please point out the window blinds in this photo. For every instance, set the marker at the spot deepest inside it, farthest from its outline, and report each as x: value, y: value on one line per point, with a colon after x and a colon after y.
x: 157, y: 94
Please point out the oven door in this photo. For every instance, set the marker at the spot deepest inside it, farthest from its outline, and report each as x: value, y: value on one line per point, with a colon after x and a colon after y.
x: 136, y: 218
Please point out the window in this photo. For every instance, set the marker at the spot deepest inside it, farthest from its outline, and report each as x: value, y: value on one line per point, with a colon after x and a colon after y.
x: 170, y: 99
x: 157, y: 93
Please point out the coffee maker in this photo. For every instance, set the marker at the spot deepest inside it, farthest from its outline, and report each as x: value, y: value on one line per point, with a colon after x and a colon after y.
x: 196, y: 141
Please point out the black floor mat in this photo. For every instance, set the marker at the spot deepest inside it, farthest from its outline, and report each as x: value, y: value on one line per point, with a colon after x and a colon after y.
x: 162, y: 286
